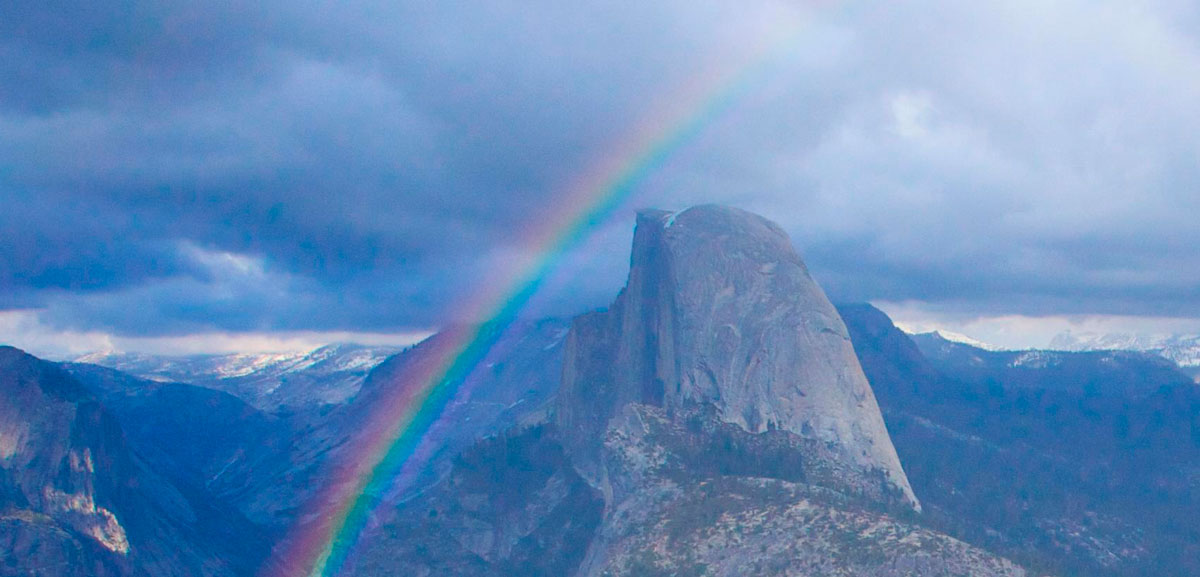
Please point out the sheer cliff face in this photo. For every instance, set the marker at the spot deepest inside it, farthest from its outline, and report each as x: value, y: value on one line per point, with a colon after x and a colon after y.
x: 720, y: 310
x: 75, y: 500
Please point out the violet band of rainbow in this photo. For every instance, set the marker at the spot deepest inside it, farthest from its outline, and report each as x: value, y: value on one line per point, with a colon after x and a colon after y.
x: 397, y: 427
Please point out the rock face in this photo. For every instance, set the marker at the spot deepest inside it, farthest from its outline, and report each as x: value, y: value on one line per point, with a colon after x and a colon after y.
x: 714, y: 421
x: 514, y: 505
x: 702, y: 497
x: 203, y: 438
x: 75, y: 500
x: 720, y: 311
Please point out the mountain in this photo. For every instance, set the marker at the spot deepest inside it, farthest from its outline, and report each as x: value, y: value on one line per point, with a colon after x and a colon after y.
x: 512, y: 504
x: 713, y: 421
x: 327, y: 375
x: 202, y: 438
x: 271, y: 465
x: 1106, y: 372
x: 511, y: 386
x: 720, y: 311
x: 514, y: 384
x: 1064, y: 461
x: 721, y: 417
x: 76, y: 500
x: 1182, y: 349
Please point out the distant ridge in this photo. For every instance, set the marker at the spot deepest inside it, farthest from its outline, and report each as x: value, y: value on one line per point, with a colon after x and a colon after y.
x: 1183, y: 349
x: 325, y: 375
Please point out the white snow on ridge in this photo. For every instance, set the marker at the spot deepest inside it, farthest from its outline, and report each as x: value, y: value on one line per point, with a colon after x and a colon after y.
x: 239, y: 365
x: 248, y: 364
x: 669, y: 221
x: 324, y: 375
x: 949, y: 336
x: 1033, y: 360
x: 1184, y: 349
x: 966, y: 340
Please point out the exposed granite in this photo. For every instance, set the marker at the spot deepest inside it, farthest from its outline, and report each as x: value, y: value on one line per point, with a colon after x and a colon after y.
x: 720, y: 310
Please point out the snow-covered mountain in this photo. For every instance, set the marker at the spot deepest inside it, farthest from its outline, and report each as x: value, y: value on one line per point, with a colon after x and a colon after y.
x: 1183, y: 349
x: 272, y: 381
x: 1120, y: 372
x: 954, y: 337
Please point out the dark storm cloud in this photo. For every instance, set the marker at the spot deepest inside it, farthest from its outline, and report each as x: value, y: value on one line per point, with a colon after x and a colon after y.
x: 170, y: 168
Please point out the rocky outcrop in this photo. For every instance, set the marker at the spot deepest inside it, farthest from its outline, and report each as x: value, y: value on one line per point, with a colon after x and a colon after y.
x: 203, y: 438
x: 720, y: 311
x: 75, y: 500
x: 713, y: 421
x: 753, y: 511
x: 696, y: 496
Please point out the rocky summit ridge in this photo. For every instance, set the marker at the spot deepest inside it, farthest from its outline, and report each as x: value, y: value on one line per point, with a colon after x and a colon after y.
x: 714, y: 421
x: 720, y: 312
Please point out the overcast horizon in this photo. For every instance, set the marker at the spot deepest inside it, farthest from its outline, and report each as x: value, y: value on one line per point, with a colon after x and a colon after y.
x: 277, y: 176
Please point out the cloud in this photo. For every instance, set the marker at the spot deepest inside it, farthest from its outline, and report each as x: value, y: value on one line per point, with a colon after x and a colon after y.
x: 25, y: 329
x: 369, y: 163
x: 1024, y: 331
x: 1023, y: 160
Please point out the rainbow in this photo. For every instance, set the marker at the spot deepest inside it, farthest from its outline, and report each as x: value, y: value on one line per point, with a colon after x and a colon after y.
x: 392, y: 441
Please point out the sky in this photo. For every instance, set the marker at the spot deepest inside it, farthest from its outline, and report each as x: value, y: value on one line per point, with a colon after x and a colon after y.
x: 177, y: 177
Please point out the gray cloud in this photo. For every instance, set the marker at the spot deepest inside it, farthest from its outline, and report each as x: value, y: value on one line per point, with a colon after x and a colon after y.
x: 365, y: 162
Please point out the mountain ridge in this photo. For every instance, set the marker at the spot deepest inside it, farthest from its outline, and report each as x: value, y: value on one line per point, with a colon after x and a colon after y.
x: 719, y: 308
x: 1037, y: 465
x: 71, y: 489
x: 286, y: 381
x: 652, y: 461
x: 1183, y: 349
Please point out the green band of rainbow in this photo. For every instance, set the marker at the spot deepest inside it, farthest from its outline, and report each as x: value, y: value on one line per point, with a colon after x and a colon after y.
x: 322, y: 544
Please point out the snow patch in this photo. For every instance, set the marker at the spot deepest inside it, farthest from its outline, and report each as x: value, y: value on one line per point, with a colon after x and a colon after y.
x: 1184, y: 349
x: 669, y: 220
x: 965, y: 340
x: 1033, y: 360
x: 947, y: 335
